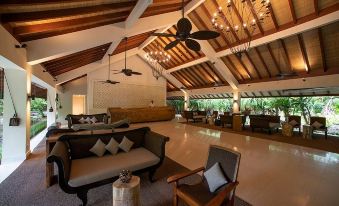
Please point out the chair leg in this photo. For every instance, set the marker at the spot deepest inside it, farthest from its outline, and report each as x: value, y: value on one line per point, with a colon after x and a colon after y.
x: 175, y: 196
x: 82, y: 195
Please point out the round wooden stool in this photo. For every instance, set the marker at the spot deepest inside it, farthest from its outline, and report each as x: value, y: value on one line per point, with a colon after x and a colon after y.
x: 126, y: 194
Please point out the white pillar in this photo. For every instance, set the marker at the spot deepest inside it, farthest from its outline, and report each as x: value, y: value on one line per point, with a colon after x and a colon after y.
x: 186, y: 100
x: 51, y: 116
x: 16, y: 139
x: 236, y: 101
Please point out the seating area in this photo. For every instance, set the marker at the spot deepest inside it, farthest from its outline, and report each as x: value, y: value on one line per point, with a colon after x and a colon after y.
x: 169, y: 102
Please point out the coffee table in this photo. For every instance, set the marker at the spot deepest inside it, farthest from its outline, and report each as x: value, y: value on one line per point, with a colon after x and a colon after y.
x: 127, y: 194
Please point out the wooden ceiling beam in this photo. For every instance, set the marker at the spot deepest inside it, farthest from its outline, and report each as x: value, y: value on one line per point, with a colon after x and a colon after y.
x: 195, y: 73
x: 53, y: 14
x: 275, y: 61
x: 281, y: 41
x: 202, y: 68
x: 234, y: 67
x: 244, y: 66
x: 165, y: 65
x: 322, y: 50
x: 174, y: 55
x: 294, y: 16
x: 191, y: 77
x: 184, y: 76
x: 263, y: 61
x: 215, y: 3
x: 206, y: 76
x: 316, y: 7
x: 48, y: 27
x: 275, y: 22
x: 213, y: 73
x: 239, y: 18
x: 174, y: 50
x: 183, y: 46
x: 303, y: 52
x: 255, y: 16
x: 254, y: 66
x: 181, y: 80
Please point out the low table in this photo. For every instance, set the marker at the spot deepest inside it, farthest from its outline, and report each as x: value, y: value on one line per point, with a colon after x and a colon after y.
x: 287, y: 129
x: 126, y: 194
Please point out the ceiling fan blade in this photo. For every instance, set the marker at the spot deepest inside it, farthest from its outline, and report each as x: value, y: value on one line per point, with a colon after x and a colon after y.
x: 136, y: 73
x: 184, y: 26
x: 192, y: 44
x: 204, y: 35
x: 163, y: 34
x: 172, y: 44
x: 118, y: 73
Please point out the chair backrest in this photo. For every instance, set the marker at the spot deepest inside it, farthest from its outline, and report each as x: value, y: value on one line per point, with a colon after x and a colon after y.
x: 188, y: 114
x: 215, y: 113
x: 229, y: 161
x: 227, y: 113
x: 295, y: 118
x: 321, y: 120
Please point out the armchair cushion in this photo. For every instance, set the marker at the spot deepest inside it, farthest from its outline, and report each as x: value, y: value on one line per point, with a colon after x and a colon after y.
x: 317, y: 125
x: 293, y: 123
x: 215, y: 177
x: 98, y: 148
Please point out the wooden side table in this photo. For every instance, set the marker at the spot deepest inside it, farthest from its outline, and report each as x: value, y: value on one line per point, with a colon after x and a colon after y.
x: 307, y: 131
x: 127, y: 194
x: 287, y: 130
x: 237, y: 123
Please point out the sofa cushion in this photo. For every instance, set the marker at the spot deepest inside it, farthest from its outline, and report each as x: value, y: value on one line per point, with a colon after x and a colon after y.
x: 98, y: 148
x: 109, y: 166
x: 112, y: 146
x: 126, y: 144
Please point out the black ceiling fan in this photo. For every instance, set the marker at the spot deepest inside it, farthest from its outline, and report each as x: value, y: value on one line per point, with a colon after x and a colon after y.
x: 108, y: 81
x: 127, y: 72
x: 184, y: 28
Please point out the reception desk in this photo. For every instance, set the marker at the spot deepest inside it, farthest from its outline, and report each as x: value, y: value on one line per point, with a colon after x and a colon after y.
x: 146, y: 114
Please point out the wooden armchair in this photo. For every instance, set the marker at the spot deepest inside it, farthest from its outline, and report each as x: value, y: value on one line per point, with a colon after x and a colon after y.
x: 321, y: 120
x: 297, y: 119
x: 215, y: 114
x: 199, y: 194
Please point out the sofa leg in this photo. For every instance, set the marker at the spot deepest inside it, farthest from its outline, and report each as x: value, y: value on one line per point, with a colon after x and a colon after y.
x: 83, y: 197
x: 151, y: 175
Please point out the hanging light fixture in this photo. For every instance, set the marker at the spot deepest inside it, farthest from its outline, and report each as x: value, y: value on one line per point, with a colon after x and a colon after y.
x: 239, y: 20
x: 155, y: 59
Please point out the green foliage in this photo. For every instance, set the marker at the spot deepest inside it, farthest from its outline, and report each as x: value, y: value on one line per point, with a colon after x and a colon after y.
x: 38, y: 127
x: 39, y: 104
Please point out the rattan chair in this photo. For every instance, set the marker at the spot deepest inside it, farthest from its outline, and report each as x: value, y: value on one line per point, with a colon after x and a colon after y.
x: 321, y: 120
x: 199, y: 194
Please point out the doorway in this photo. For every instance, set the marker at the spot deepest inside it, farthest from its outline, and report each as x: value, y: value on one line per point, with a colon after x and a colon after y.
x: 78, y: 104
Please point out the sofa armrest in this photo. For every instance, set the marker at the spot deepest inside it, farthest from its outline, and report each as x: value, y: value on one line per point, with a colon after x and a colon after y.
x: 155, y: 143
x: 61, y: 156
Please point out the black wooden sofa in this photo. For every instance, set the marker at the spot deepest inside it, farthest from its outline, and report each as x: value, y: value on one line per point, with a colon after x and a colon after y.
x: 79, y: 170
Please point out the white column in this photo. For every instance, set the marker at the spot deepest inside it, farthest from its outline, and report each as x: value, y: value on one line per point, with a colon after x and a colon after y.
x: 16, y: 139
x: 51, y: 116
x: 236, y: 101
x: 186, y: 100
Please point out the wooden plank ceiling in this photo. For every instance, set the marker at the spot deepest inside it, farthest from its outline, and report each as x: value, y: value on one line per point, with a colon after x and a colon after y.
x: 284, y: 14
x: 200, y: 76
x: 180, y: 54
x: 73, y: 61
x: 132, y: 42
x: 35, y: 19
x: 161, y: 6
x: 306, y: 54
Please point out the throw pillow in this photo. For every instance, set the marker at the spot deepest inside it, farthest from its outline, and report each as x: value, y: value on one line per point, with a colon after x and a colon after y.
x: 112, y: 146
x: 317, y: 125
x: 293, y: 123
x: 82, y: 120
x: 88, y: 120
x: 215, y: 177
x: 98, y: 148
x: 94, y: 120
x: 126, y: 144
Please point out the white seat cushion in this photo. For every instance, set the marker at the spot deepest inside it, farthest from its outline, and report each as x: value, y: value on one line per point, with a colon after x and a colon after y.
x: 109, y: 166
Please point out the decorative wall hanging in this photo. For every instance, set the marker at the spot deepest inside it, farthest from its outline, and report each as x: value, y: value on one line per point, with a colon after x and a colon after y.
x: 15, y: 120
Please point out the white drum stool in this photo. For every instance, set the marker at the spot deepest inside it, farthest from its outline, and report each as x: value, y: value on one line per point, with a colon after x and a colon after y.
x: 126, y: 194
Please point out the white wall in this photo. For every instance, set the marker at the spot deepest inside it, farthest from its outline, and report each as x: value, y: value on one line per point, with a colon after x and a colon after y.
x: 133, y: 91
x: 76, y: 87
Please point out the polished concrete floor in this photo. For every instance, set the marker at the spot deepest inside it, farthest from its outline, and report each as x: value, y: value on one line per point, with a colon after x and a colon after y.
x: 271, y: 173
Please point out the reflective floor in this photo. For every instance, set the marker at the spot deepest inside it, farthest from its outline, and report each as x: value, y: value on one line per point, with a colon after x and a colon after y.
x: 271, y: 173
